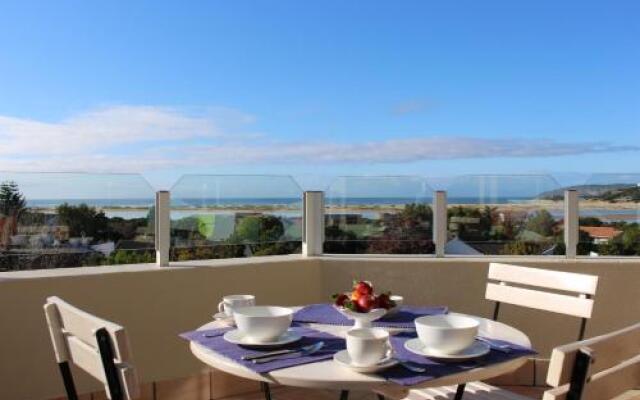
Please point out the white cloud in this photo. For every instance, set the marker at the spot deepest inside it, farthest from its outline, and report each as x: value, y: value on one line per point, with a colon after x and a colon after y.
x: 400, y: 151
x: 143, y: 138
x: 102, y: 129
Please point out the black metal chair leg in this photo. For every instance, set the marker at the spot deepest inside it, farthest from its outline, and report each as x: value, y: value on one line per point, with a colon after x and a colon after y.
x: 344, y: 395
x: 266, y: 390
x: 460, y: 392
x: 67, y: 379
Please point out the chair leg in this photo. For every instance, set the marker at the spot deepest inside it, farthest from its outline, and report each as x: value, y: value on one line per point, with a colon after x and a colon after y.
x: 380, y: 397
x: 266, y: 390
x: 460, y: 391
x: 67, y: 379
x: 344, y: 395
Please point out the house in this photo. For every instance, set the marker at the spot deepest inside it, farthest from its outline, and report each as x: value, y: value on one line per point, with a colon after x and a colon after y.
x: 601, y: 234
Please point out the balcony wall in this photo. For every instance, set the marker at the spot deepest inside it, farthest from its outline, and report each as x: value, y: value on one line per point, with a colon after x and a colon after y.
x: 157, y: 304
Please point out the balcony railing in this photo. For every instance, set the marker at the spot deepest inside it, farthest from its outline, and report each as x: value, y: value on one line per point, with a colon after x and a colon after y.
x: 67, y: 220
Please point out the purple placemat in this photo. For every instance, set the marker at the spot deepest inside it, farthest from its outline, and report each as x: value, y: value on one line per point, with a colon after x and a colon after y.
x: 435, y: 369
x: 212, y: 339
x: 328, y: 314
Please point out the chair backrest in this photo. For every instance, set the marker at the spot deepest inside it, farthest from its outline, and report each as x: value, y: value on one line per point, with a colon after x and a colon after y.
x: 97, y: 346
x: 541, y: 289
x: 599, y: 368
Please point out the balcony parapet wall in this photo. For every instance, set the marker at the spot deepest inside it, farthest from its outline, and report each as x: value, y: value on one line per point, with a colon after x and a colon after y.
x: 155, y: 304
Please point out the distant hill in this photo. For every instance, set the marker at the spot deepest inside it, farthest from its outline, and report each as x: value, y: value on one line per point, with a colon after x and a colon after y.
x: 614, y: 192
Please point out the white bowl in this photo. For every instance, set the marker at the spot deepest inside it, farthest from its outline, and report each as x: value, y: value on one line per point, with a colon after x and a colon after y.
x: 447, y: 334
x: 263, y: 323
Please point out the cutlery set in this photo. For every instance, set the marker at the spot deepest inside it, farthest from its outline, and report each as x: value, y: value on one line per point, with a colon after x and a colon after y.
x: 279, y: 354
x: 311, y: 349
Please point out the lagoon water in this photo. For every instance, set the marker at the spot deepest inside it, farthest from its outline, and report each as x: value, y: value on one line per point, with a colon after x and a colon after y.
x: 292, y: 207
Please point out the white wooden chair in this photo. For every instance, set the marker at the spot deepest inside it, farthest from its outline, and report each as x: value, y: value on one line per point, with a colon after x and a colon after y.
x: 600, y: 368
x: 577, y: 302
x: 97, y: 346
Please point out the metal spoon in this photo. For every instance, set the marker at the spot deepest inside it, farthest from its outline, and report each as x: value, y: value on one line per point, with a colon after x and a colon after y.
x: 411, y: 367
x: 504, y: 348
x: 303, y: 351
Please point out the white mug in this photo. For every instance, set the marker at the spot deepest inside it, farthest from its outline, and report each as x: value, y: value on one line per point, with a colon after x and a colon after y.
x: 230, y: 302
x: 368, y: 346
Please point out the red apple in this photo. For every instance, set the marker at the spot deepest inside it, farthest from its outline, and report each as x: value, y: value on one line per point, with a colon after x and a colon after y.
x: 363, y: 287
x: 366, y: 303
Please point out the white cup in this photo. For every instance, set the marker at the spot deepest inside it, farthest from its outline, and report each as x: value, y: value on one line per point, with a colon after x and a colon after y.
x: 367, y: 346
x: 230, y: 302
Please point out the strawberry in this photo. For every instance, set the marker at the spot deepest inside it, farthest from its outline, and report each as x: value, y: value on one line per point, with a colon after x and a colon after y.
x: 339, y: 299
x: 384, y: 301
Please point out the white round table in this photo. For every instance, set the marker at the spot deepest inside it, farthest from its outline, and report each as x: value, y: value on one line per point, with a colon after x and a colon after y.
x: 329, y: 375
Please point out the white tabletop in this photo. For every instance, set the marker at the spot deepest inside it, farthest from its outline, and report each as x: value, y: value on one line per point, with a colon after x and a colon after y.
x: 329, y: 375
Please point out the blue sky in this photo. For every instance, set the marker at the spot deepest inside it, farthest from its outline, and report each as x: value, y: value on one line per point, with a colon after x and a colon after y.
x: 317, y: 89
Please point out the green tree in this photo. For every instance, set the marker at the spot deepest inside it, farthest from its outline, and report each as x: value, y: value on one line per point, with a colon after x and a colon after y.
x: 83, y: 220
x: 591, y: 221
x: 408, y: 232
x: 465, y: 231
x: 12, y: 205
x: 488, y: 216
x: 131, y: 257
x: 12, y: 201
x: 258, y: 229
x: 522, y: 248
x: 541, y: 222
x: 344, y: 242
x: 627, y: 244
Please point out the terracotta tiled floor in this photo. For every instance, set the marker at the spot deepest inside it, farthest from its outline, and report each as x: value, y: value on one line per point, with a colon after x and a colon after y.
x: 302, y: 394
x: 283, y: 393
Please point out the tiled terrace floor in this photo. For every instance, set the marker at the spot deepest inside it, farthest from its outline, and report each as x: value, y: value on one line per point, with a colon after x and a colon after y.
x: 290, y: 393
x: 306, y: 394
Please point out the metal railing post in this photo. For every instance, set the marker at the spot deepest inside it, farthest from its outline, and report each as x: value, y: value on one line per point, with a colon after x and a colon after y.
x: 163, y: 227
x: 312, y: 223
x: 440, y: 222
x: 571, y: 223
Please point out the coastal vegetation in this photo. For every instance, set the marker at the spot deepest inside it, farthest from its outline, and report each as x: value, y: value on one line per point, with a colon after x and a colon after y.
x: 71, y: 235
x: 610, y: 193
x: 484, y: 229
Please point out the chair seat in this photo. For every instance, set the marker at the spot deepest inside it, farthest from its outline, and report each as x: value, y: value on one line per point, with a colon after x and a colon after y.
x: 473, y: 391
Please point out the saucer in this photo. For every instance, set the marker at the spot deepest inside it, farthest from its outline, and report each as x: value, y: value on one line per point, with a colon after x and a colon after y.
x: 342, y: 358
x: 236, y: 337
x: 477, y: 349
